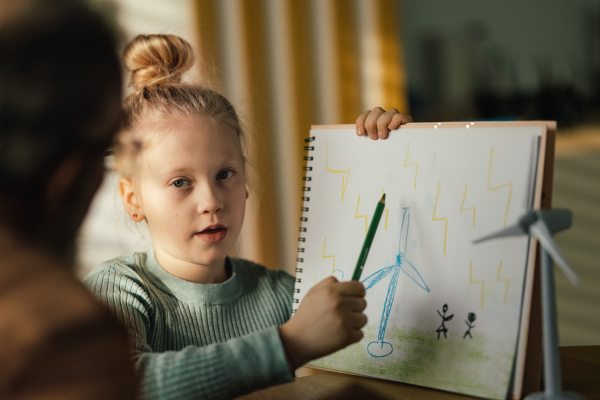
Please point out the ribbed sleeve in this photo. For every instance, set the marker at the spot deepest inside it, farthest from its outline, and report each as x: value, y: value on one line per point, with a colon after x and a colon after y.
x: 199, y: 341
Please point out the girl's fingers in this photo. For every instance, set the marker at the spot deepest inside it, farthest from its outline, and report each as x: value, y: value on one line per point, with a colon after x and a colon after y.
x: 360, y: 123
x: 399, y: 119
x: 356, y: 320
x: 377, y: 123
x: 328, y: 281
x: 355, y: 303
x: 352, y: 288
x: 384, y: 120
x: 354, y: 336
x: 371, y: 123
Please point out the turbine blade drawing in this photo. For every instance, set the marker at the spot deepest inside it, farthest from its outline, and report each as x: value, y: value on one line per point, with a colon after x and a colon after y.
x: 372, y: 279
x: 404, y: 230
x: 413, y: 274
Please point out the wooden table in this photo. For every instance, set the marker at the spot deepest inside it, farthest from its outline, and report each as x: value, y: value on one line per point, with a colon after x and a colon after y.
x: 580, y: 372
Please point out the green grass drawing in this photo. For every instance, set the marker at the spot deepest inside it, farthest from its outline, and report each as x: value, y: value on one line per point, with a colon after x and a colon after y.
x: 468, y: 366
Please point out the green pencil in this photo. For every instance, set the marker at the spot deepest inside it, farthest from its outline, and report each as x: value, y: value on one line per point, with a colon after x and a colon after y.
x: 369, y: 239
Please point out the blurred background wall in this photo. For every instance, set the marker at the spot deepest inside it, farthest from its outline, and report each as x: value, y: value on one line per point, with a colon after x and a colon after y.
x: 537, y: 59
x: 288, y: 64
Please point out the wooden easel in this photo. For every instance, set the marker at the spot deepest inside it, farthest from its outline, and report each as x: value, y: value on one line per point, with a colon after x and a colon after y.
x: 533, y: 356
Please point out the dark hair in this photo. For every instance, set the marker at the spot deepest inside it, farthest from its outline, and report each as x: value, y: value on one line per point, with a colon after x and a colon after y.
x: 60, y: 92
x: 58, y: 73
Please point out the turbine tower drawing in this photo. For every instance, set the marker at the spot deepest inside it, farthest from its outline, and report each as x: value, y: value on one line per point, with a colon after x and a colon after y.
x: 381, y: 348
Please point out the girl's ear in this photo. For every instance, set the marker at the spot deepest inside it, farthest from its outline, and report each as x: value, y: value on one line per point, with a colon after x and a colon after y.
x: 131, y: 201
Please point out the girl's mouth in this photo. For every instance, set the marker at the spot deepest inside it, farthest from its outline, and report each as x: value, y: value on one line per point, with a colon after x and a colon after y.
x: 213, y: 234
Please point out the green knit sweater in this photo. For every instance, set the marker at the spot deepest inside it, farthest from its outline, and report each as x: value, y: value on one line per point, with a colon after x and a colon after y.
x: 191, y: 340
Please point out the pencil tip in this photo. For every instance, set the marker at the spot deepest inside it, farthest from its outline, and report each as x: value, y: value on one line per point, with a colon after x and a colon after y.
x: 383, y: 198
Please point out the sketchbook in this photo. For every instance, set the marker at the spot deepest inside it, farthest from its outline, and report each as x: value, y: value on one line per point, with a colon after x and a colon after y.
x: 442, y: 313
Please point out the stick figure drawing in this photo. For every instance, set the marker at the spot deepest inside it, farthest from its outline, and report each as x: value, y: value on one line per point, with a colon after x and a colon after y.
x: 471, y: 318
x: 442, y: 328
x: 380, y: 348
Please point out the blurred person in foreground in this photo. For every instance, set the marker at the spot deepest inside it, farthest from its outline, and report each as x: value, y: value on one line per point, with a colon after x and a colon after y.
x: 60, y: 88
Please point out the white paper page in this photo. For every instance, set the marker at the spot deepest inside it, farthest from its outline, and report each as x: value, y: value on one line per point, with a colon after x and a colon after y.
x: 449, y: 186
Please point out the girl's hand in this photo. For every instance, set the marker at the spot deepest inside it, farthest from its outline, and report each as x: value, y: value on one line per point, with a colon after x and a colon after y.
x: 377, y: 123
x: 329, y: 318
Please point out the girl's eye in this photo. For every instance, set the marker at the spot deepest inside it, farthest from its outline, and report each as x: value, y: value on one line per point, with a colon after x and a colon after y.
x: 181, y: 183
x: 225, y: 174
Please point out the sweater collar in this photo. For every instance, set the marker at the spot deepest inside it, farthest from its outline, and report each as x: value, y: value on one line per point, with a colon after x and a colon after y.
x: 215, y: 293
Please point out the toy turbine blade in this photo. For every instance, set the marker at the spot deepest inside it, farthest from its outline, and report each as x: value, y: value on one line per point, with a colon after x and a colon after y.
x: 514, y: 230
x: 541, y: 233
x: 557, y: 219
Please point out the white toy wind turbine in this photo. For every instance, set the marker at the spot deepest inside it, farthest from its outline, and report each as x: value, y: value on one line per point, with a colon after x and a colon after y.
x: 541, y: 224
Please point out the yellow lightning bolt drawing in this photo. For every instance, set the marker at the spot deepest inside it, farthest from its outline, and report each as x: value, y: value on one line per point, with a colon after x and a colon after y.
x: 509, y: 185
x: 468, y: 208
x: 433, y: 218
x: 387, y: 212
x: 338, y: 171
x: 356, y: 216
x: 333, y: 256
x: 471, y: 281
x: 505, y: 280
x: 414, y: 163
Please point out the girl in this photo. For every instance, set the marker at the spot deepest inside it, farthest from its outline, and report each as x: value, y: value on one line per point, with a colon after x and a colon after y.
x: 204, y: 324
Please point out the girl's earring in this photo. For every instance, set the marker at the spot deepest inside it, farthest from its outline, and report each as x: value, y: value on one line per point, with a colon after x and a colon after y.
x: 134, y: 215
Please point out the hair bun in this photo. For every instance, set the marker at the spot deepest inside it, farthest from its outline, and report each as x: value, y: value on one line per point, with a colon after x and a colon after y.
x: 157, y: 60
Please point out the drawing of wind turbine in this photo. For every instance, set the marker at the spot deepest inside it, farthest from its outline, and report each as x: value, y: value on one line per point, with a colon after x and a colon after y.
x: 380, y: 348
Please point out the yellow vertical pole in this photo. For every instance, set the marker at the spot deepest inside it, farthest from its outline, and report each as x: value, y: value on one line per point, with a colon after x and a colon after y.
x: 346, y: 48
x: 298, y: 15
x: 268, y: 251
x: 205, y: 12
x: 391, y: 57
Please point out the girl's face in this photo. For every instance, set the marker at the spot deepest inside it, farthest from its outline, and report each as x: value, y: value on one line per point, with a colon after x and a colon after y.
x: 193, y: 192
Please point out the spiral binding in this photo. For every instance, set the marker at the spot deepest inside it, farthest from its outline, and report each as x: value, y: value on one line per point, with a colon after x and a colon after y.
x: 304, y: 218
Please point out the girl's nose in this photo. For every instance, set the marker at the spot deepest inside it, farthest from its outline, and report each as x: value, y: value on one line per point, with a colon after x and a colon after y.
x: 210, y: 201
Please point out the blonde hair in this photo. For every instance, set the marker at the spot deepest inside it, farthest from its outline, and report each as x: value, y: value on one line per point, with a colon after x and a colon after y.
x: 157, y: 64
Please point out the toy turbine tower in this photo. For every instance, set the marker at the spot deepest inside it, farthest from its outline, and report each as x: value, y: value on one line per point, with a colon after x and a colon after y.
x: 541, y: 225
